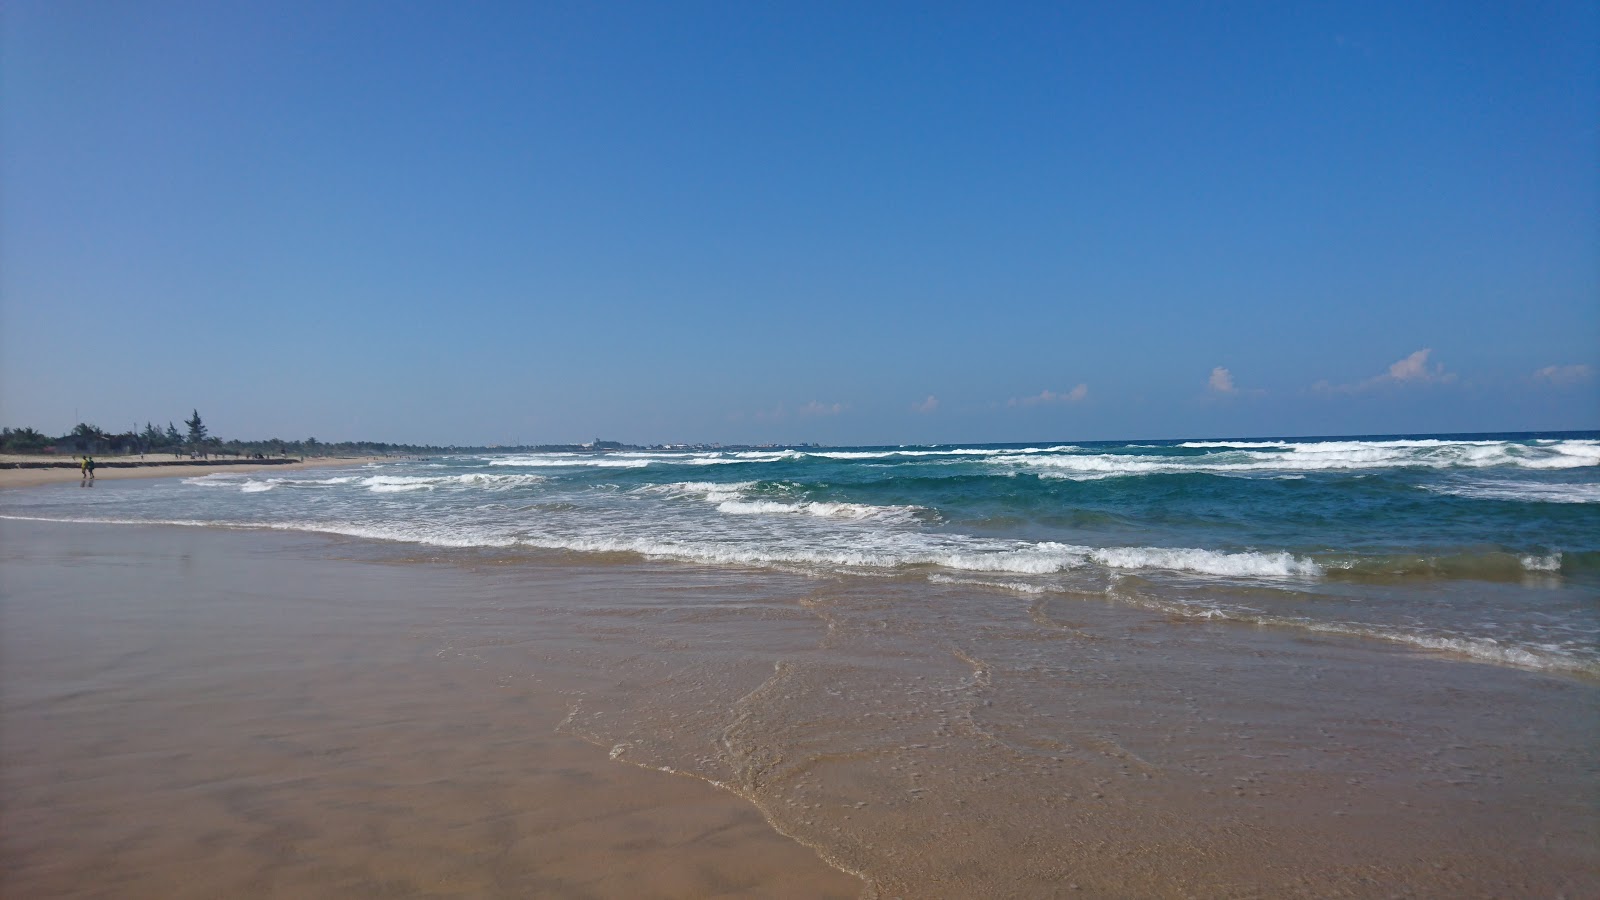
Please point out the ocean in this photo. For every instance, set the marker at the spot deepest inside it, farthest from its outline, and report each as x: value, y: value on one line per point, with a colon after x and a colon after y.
x: 1351, y: 666
x: 1483, y: 546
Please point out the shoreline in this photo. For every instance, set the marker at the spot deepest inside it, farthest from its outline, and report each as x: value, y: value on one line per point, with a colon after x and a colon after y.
x: 63, y: 472
x: 1294, y: 767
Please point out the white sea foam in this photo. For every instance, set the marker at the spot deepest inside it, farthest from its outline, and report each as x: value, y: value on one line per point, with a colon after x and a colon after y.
x: 217, y: 479
x: 1551, y: 563
x: 1021, y: 587
x: 636, y: 459
x: 409, y: 533
x: 1071, y: 461
x: 710, y: 551
x: 1261, y: 457
x: 981, y: 452
x: 876, y: 549
x: 1522, y: 491
x: 1489, y: 650
x: 732, y: 499
x: 1228, y: 445
x: 1343, y: 445
x: 891, y: 551
x: 1521, y: 654
x: 572, y: 460
x: 393, y: 484
x: 1209, y: 562
x: 248, y: 484
x: 852, y: 511
x: 709, y: 491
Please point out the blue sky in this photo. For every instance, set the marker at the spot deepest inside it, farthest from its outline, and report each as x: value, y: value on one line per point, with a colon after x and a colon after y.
x: 844, y: 223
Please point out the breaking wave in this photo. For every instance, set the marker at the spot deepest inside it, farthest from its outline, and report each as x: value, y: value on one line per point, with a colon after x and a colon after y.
x: 378, y: 484
x: 853, y: 511
x: 391, y: 484
x: 248, y: 484
x: 1522, y: 491
x: 1247, y: 457
x: 1335, y: 530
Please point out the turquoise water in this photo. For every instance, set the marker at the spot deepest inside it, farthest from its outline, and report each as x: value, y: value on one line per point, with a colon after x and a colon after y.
x: 1484, y: 546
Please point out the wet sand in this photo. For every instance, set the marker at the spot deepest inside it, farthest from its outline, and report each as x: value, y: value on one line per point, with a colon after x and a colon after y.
x: 154, y: 468
x: 194, y: 712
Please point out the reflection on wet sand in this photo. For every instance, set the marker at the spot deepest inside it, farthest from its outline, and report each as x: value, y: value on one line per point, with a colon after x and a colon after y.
x: 199, y: 713
x: 185, y: 716
x: 951, y: 744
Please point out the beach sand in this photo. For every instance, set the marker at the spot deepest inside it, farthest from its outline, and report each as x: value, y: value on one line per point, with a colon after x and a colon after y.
x: 152, y: 467
x: 192, y: 714
x: 210, y: 712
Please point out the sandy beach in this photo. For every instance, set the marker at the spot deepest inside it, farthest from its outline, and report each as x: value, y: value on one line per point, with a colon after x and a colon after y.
x: 193, y: 712
x: 155, y: 466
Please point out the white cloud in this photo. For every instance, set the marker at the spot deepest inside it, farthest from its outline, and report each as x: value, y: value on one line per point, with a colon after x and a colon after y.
x: 821, y: 409
x: 1222, y: 381
x: 1413, y: 369
x: 1564, y: 374
x: 1075, y: 395
x: 926, y: 406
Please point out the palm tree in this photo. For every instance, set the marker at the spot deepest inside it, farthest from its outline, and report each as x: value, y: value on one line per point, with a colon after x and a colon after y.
x: 87, y: 437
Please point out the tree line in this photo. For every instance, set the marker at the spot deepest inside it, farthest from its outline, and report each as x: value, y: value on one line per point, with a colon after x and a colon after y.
x: 196, y: 439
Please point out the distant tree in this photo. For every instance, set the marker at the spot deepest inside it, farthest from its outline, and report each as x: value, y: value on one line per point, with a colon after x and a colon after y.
x: 197, y: 429
x: 23, y: 440
x: 85, y: 437
x: 152, y: 436
x: 173, y: 437
x: 311, y: 445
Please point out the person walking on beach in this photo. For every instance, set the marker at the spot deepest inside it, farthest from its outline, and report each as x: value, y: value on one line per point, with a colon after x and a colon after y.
x: 88, y: 467
x: 83, y: 467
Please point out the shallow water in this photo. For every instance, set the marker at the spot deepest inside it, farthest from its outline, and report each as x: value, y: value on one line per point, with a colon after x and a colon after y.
x: 943, y: 740
x: 934, y: 738
x: 1486, y: 546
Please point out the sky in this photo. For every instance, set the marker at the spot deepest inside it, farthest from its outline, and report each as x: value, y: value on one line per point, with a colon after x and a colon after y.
x: 835, y: 222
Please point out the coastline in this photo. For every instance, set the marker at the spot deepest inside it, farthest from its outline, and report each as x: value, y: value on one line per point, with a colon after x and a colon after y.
x: 399, y: 716
x: 127, y: 467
